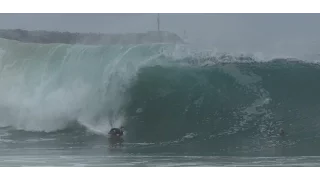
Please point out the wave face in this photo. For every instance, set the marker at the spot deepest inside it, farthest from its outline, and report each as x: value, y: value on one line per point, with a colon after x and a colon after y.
x: 169, y: 100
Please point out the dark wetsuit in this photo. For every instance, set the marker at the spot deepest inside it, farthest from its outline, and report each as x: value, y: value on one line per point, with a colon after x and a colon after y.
x: 115, y: 136
x: 116, y: 132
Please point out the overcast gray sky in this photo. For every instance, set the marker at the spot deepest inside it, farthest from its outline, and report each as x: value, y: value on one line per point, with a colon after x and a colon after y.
x: 269, y: 33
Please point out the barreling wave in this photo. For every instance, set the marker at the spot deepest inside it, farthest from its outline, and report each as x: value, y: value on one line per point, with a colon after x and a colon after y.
x: 169, y: 99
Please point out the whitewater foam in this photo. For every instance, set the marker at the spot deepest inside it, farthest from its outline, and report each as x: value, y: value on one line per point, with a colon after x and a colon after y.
x: 48, y: 87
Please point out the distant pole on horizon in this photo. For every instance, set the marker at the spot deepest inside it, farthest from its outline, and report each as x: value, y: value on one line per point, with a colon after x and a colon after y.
x: 158, y: 19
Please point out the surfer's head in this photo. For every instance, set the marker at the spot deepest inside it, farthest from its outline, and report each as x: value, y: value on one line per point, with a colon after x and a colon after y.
x: 122, y: 128
x: 281, y: 132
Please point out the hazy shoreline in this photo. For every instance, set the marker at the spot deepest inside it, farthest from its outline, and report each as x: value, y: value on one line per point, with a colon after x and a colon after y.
x: 47, y: 37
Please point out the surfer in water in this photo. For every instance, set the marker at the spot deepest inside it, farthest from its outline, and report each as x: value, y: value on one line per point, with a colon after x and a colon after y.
x: 281, y: 132
x: 115, y: 136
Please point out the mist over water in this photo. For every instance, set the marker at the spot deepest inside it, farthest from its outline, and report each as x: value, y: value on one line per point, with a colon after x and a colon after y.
x: 44, y: 88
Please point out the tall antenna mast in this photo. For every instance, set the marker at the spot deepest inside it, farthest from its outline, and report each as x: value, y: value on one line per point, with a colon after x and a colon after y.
x: 158, y: 19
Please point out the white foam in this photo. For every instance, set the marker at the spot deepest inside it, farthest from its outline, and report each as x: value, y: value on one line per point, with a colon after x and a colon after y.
x: 47, y: 87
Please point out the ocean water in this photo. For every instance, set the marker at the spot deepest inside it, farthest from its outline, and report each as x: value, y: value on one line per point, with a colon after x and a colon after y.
x: 180, y: 107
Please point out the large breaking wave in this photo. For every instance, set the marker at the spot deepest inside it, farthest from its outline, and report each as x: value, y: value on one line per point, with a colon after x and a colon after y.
x: 169, y: 98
